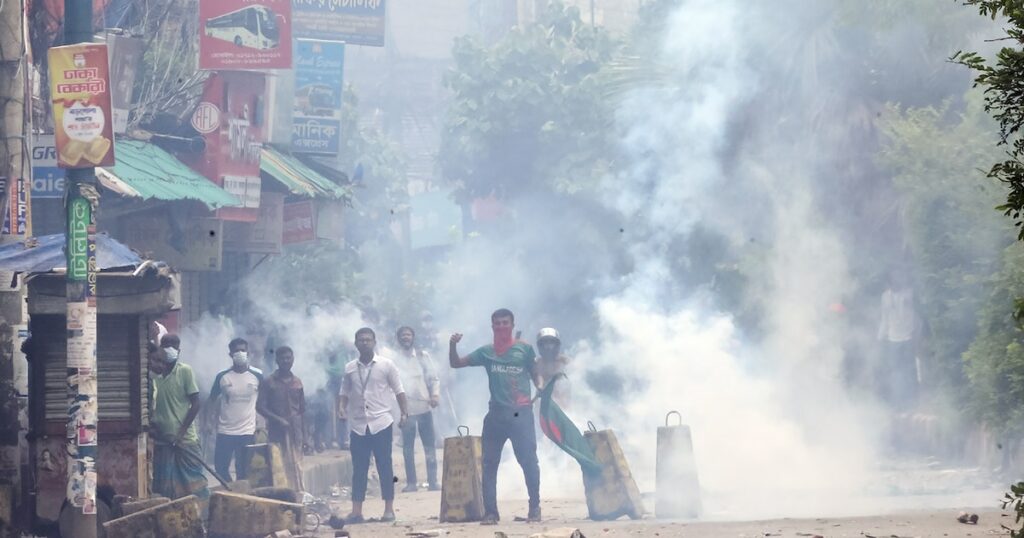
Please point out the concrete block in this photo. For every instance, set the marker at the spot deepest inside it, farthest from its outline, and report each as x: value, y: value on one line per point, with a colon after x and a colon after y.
x: 131, y: 507
x: 233, y: 515
x: 462, y: 497
x: 173, y: 519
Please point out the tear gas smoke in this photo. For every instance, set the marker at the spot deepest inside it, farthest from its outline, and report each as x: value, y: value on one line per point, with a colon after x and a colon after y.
x: 776, y: 430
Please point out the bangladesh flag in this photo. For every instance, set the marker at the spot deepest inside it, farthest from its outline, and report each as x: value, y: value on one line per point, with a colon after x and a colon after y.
x: 557, y: 426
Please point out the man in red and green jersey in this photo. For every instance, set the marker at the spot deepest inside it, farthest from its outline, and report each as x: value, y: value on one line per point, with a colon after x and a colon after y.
x: 511, y: 369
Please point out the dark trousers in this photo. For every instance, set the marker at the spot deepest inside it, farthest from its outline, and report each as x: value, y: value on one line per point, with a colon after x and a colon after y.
x: 378, y: 444
x: 515, y: 424
x: 898, y: 375
x: 228, y: 446
x: 425, y: 424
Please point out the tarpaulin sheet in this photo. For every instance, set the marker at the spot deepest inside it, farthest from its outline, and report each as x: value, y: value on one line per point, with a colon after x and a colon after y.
x: 47, y: 255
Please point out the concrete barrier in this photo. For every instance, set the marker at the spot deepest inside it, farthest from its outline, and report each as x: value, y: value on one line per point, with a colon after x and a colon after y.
x: 174, y: 519
x: 233, y: 515
x: 320, y: 475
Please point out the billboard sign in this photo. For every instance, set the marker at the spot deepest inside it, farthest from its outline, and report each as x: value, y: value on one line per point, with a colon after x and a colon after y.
x: 356, y: 22
x: 17, y: 207
x: 299, y: 223
x: 47, y: 177
x: 80, y: 89
x: 245, y: 34
x: 316, y: 117
x: 230, y: 117
x: 125, y: 59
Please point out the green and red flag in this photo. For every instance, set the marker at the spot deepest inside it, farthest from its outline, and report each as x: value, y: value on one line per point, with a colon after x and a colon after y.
x: 560, y: 429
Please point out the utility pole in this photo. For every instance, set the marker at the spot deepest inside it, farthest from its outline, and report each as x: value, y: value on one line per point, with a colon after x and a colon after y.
x: 14, y: 142
x: 82, y: 200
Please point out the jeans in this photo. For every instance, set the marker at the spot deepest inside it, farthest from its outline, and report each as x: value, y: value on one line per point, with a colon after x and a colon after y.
x: 228, y: 446
x: 425, y: 424
x: 515, y: 424
x: 378, y: 444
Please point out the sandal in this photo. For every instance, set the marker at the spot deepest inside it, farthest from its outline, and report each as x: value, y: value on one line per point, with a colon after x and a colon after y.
x: 352, y: 520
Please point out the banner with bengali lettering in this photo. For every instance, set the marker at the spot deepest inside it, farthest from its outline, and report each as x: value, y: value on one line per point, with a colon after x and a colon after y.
x: 356, y: 22
x: 319, y: 79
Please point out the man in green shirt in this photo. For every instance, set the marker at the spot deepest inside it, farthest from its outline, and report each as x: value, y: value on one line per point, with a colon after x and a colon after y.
x: 511, y: 369
x: 177, y: 459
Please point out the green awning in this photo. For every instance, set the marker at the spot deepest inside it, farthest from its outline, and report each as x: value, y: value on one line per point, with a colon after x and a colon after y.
x: 299, y: 178
x: 145, y: 171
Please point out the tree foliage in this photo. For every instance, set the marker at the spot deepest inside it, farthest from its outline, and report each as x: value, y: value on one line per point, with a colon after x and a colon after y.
x: 945, y: 205
x: 529, y: 111
x: 1003, y: 82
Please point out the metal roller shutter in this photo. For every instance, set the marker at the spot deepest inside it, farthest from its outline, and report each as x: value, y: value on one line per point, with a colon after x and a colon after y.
x: 121, y: 400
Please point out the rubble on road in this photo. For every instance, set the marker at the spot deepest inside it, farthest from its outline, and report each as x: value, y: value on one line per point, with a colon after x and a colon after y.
x: 172, y: 519
x: 562, y: 532
x: 234, y: 515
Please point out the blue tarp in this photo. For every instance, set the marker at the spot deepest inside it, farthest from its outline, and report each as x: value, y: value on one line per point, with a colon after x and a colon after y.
x: 48, y: 255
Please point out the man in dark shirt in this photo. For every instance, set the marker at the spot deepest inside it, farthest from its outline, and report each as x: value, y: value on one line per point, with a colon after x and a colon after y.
x: 282, y: 401
x: 511, y: 368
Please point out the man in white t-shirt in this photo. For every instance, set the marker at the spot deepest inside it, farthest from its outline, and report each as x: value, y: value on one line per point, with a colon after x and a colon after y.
x: 897, y: 332
x: 236, y: 389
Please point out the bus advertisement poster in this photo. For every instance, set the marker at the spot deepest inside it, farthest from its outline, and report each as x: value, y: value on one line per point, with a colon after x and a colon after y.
x: 319, y: 78
x: 248, y: 35
x: 356, y: 22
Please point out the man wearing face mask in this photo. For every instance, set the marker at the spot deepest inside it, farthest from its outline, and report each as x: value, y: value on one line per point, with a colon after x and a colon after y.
x: 177, y: 458
x: 511, y: 366
x: 236, y: 390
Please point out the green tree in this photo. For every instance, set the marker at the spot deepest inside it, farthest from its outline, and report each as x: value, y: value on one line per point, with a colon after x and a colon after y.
x: 529, y: 112
x: 945, y: 205
x: 1003, y: 83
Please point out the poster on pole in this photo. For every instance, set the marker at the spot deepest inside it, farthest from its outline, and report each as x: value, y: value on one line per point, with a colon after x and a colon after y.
x: 125, y: 60
x: 245, y: 34
x: 80, y: 89
x: 356, y: 22
x: 319, y: 80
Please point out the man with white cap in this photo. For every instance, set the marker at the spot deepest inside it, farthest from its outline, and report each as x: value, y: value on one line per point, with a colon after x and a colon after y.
x: 552, y: 363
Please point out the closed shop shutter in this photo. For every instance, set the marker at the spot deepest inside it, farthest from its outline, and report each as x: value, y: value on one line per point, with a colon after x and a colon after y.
x: 118, y: 365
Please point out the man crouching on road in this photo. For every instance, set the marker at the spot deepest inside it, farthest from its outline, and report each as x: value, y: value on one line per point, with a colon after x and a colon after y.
x: 511, y: 366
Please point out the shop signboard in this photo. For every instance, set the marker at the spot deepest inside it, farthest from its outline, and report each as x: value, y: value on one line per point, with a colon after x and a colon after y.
x: 319, y: 80
x: 356, y: 22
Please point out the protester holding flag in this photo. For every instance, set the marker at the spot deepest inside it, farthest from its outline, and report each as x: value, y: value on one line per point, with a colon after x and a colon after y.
x: 511, y: 366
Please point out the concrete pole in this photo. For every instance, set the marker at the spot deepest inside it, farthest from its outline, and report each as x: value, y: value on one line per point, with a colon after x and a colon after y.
x: 82, y: 201
x: 14, y: 143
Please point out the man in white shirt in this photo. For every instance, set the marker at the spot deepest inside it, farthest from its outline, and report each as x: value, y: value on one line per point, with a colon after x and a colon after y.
x: 423, y: 392
x: 236, y: 389
x: 897, y: 332
x: 370, y: 384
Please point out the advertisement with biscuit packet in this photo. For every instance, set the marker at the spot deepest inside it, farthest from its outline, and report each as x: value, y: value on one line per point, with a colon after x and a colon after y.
x: 80, y: 88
